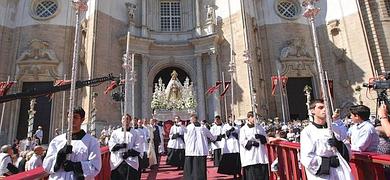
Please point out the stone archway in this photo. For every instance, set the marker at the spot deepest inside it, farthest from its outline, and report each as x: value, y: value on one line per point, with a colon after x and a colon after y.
x: 155, y: 66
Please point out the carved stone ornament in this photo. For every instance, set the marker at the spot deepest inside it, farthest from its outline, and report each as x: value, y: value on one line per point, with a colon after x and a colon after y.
x: 299, y: 68
x: 334, y: 27
x: 131, y: 8
x: 38, y: 60
x: 295, y: 48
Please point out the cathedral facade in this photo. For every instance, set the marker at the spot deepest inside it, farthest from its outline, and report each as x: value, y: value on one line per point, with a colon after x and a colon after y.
x: 244, y: 42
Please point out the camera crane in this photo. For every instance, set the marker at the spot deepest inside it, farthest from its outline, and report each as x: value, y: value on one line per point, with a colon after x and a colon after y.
x: 37, y: 92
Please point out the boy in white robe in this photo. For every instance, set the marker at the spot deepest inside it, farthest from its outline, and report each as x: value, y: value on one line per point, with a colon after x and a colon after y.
x: 318, y: 153
x: 253, y: 152
x: 216, y: 147
x: 144, y: 134
x: 230, y: 162
x: 195, y: 138
x: 176, y: 153
x: 124, y: 153
x: 79, y: 160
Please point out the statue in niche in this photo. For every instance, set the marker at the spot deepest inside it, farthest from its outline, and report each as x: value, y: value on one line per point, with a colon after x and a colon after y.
x: 295, y: 48
x: 174, y: 88
x: 210, y: 13
x: 131, y: 11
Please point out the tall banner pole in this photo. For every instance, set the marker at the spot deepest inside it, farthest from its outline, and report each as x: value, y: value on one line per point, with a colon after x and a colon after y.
x: 132, y: 79
x: 63, y: 109
x: 232, y: 65
x: 127, y: 66
x: 3, y: 110
x: 310, y: 13
x: 281, y: 97
x: 80, y: 6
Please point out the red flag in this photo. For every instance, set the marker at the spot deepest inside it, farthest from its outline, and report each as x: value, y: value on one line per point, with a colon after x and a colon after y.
x: 227, y: 86
x: 61, y: 82
x: 214, y: 89
x: 284, y: 81
x: 111, y: 87
x: 5, y: 86
x: 275, y: 80
x: 274, y: 84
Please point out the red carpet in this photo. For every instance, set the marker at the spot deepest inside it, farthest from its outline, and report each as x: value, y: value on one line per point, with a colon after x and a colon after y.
x: 167, y: 172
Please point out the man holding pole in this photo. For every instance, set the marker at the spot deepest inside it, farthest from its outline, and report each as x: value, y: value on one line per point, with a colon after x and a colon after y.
x: 253, y: 152
x: 80, y: 159
x: 318, y: 147
x: 125, y: 147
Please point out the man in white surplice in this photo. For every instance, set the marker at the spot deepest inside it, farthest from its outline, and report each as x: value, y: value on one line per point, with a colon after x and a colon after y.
x: 216, y: 146
x: 84, y: 159
x: 318, y: 153
x: 124, y: 152
x: 196, y: 150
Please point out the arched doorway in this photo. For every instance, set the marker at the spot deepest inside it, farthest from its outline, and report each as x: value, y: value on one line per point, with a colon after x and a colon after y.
x: 165, y: 75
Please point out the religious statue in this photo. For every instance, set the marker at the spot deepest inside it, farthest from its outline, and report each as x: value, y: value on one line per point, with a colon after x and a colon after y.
x: 174, y: 93
x: 174, y: 75
x: 175, y: 96
x: 210, y: 12
x: 174, y: 88
x: 131, y: 11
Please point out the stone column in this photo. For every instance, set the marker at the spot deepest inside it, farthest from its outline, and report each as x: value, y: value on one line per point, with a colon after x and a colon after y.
x: 145, y: 90
x: 200, y: 87
x: 214, y: 79
x: 197, y: 21
x: 144, y: 15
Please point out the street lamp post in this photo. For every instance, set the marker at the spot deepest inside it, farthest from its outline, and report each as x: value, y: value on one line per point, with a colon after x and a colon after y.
x: 80, y: 6
x: 310, y: 13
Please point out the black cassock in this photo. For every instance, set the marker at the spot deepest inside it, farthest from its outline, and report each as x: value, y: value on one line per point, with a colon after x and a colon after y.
x: 196, y: 151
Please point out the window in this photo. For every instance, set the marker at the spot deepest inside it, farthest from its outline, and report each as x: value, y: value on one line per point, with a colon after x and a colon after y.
x: 387, y: 5
x: 287, y: 9
x: 170, y: 16
x: 44, y: 9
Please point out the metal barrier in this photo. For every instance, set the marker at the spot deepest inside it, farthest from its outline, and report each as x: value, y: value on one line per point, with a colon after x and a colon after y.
x: 39, y: 173
x: 364, y: 165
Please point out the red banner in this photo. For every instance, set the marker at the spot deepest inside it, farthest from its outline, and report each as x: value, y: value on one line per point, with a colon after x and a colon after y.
x: 330, y: 88
x: 113, y: 85
x: 60, y: 82
x: 275, y: 80
x: 5, y: 86
x: 110, y: 87
x: 214, y: 89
